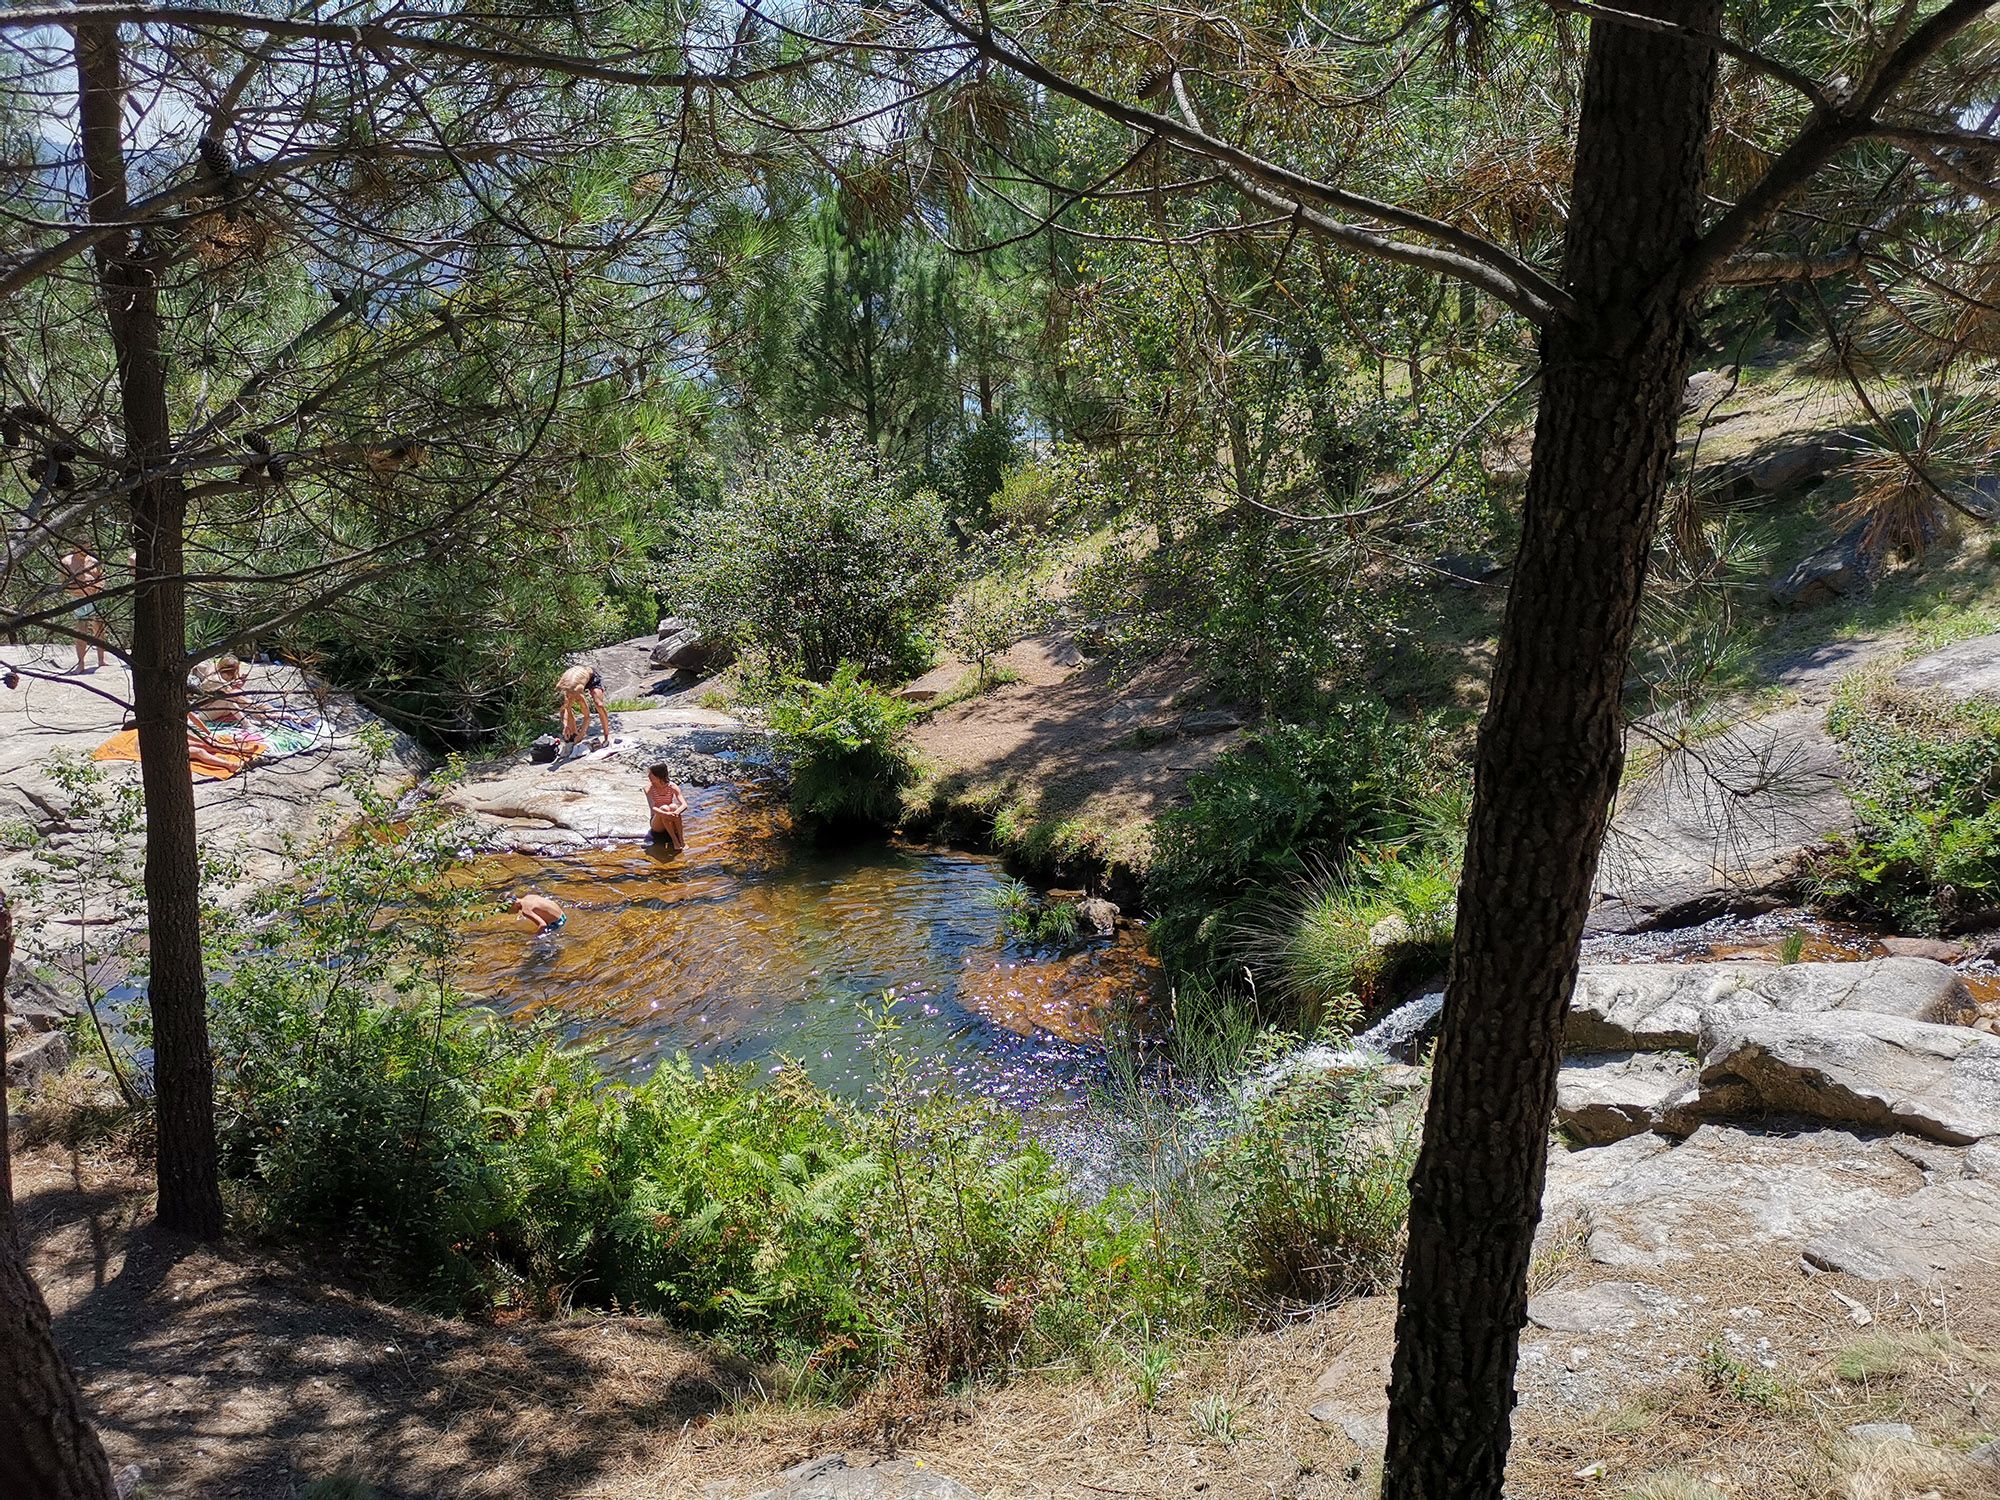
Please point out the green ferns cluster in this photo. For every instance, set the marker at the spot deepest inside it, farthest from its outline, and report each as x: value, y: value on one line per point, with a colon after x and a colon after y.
x: 1925, y: 853
x: 849, y: 754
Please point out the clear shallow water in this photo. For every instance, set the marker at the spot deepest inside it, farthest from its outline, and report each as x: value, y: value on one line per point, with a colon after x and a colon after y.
x: 753, y: 947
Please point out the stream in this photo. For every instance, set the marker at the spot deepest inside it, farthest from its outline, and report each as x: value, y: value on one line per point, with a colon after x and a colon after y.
x: 752, y: 947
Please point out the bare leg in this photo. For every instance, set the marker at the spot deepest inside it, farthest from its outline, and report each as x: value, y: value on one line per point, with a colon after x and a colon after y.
x: 97, y: 629
x: 603, y: 715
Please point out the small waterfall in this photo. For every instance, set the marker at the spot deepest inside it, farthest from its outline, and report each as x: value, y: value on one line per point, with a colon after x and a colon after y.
x: 1390, y: 1039
x: 1397, y: 1034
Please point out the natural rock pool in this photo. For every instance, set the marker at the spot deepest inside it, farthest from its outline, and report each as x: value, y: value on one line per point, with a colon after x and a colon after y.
x: 753, y: 946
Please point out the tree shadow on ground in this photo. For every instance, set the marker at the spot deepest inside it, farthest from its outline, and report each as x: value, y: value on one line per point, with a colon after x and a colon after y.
x: 221, y: 1371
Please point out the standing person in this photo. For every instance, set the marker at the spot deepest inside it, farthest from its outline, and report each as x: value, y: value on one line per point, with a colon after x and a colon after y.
x: 539, y: 911
x: 667, y: 805
x: 86, y: 582
x: 582, y: 689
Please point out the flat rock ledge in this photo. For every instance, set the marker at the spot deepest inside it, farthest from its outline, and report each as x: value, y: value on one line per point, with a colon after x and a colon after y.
x: 1604, y: 1097
x: 519, y: 804
x: 1663, y: 1007
x: 1881, y: 1072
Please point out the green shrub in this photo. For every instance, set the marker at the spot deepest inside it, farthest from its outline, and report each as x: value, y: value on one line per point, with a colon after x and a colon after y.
x: 1044, y: 496
x: 847, y: 746
x: 821, y: 557
x: 1315, y: 1186
x: 1348, y: 937
x: 1926, y: 789
x: 1287, y: 803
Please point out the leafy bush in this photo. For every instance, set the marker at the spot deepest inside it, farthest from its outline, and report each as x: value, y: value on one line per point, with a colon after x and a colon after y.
x: 847, y: 745
x: 1926, y: 787
x: 1347, y: 937
x: 990, y: 613
x: 1287, y: 614
x: 1041, y: 497
x: 820, y: 557
x: 1316, y: 1186
x: 1287, y: 802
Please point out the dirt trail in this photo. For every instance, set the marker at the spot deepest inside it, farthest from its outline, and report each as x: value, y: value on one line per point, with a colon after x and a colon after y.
x: 1072, y: 740
x: 224, y: 1372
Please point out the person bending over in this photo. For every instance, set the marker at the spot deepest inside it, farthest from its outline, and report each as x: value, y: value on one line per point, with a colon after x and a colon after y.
x: 667, y: 805
x: 582, y: 689
x: 538, y: 911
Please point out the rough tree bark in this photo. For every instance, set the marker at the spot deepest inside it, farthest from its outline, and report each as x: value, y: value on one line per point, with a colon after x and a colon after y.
x: 50, y: 1451
x: 1550, y: 749
x: 127, y: 272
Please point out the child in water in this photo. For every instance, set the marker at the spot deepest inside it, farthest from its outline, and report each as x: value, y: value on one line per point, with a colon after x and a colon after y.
x: 540, y: 911
x: 667, y: 805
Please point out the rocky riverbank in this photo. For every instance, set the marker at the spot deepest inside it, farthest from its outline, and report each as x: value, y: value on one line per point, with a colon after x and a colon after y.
x: 74, y: 879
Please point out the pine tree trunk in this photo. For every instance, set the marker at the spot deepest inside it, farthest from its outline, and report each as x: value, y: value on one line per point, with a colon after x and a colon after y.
x: 183, y: 1072
x: 49, y: 1450
x: 1550, y: 751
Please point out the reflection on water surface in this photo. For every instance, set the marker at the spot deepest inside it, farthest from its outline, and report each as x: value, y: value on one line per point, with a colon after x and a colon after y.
x: 752, y: 946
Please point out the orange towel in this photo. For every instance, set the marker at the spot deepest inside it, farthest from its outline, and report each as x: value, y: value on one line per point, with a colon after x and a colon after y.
x: 208, y: 760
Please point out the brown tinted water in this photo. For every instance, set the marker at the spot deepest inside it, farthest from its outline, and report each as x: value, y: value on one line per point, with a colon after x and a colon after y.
x: 752, y: 946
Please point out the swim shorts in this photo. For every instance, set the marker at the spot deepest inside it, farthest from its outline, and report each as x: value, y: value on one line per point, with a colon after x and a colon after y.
x: 557, y: 924
x: 596, y: 683
x: 85, y: 611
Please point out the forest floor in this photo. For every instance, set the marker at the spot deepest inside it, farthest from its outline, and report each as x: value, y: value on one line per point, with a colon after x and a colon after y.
x: 227, y: 1372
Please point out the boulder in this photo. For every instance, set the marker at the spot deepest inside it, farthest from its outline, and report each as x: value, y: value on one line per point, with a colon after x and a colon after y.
x: 1940, y: 950
x: 1391, y: 931
x: 1611, y: 1307
x: 1368, y: 1431
x: 38, y: 1056
x: 1881, y: 1072
x: 835, y: 1478
x: 933, y: 684
x: 1839, y: 570
x: 1208, y: 721
x: 673, y: 625
x: 1655, y: 1007
x: 1097, y: 915
x: 1795, y: 466
x: 1465, y: 570
x: 1949, y: 1229
x: 1605, y: 1097
x: 1706, y: 387
x: 690, y: 651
